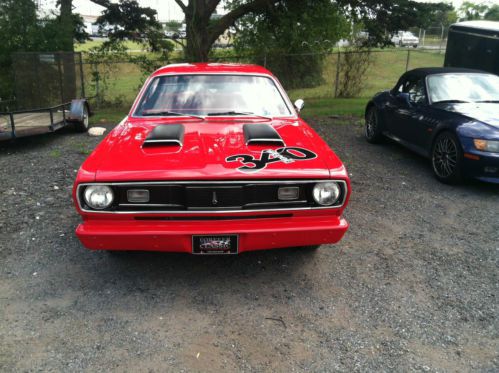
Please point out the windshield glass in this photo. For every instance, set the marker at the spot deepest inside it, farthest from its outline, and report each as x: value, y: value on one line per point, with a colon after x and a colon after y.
x: 463, y: 87
x: 212, y: 95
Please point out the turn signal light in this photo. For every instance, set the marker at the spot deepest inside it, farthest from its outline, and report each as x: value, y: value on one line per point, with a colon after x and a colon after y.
x: 288, y: 193
x: 137, y: 195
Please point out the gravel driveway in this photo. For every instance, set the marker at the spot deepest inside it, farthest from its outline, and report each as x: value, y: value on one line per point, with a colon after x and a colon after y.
x: 413, y: 285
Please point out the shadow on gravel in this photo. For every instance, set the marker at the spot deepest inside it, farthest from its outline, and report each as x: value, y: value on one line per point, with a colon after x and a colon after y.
x: 36, y: 141
x: 179, y: 266
x: 401, y: 158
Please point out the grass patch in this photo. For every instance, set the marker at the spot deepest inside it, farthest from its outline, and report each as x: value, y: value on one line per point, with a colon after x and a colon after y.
x: 112, y: 115
x: 334, y: 106
x: 55, y: 153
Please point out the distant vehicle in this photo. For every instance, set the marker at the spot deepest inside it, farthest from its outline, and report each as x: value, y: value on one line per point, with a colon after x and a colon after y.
x: 449, y: 115
x: 474, y: 45
x: 405, y: 39
x: 170, y: 34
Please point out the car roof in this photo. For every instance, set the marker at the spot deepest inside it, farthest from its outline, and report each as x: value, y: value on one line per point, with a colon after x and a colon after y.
x: 212, y: 68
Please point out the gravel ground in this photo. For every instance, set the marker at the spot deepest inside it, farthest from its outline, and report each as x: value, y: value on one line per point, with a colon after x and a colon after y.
x: 412, y: 287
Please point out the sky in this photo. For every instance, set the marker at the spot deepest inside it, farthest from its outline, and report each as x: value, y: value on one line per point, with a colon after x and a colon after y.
x: 168, y: 9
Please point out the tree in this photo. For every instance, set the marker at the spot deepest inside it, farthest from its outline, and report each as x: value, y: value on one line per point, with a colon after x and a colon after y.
x: 492, y: 13
x: 379, y: 17
x: 128, y: 20
x: 287, y: 37
x: 173, y: 25
x: 471, y: 11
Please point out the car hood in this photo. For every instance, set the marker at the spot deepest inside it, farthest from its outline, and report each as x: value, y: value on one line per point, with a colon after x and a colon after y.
x: 212, y: 150
x: 485, y: 112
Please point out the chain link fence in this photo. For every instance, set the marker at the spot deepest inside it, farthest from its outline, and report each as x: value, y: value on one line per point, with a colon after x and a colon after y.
x: 117, y: 83
x: 43, y: 80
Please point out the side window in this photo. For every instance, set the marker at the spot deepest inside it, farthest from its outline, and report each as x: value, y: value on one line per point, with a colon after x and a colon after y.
x: 416, y: 91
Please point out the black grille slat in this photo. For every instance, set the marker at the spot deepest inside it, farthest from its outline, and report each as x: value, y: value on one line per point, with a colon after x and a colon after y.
x: 178, y: 197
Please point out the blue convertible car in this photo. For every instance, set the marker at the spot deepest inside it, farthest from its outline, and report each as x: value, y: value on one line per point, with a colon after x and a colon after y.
x: 449, y: 115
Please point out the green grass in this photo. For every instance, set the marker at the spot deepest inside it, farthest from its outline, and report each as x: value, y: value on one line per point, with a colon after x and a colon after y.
x: 112, y: 115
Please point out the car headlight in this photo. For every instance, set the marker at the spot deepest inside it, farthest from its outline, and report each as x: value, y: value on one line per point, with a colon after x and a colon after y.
x: 486, y: 145
x: 326, y: 193
x: 98, y: 197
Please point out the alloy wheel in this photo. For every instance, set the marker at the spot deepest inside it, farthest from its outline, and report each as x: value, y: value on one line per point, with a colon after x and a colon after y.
x: 371, y: 124
x: 444, y: 157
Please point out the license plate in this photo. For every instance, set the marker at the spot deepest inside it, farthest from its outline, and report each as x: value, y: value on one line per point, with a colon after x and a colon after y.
x: 215, y: 244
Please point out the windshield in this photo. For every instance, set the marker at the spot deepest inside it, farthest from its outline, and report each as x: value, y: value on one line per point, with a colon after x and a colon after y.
x: 463, y: 87
x: 212, y: 95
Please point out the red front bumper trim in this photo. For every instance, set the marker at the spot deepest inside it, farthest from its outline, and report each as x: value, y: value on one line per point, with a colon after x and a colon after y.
x: 176, y: 236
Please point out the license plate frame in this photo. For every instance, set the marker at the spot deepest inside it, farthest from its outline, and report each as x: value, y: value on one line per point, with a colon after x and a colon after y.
x: 215, y: 244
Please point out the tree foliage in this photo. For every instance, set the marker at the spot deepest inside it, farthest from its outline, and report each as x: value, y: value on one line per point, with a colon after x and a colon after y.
x: 23, y: 31
x: 126, y: 19
x: 287, y: 36
x: 492, y: 13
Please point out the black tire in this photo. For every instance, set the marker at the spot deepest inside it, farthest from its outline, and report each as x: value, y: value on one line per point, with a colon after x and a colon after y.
x: 83, y: 125
x: 372, y: 131
x: 446, y: 158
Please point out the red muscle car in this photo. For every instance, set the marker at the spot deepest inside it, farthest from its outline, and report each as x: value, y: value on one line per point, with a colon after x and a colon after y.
x: 212, y: 159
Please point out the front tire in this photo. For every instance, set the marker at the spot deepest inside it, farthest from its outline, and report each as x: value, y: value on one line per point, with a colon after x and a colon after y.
x: 446, y: 158
x: 373, y: 131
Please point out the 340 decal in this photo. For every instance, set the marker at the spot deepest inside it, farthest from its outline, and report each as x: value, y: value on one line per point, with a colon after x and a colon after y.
x: 285, y: 155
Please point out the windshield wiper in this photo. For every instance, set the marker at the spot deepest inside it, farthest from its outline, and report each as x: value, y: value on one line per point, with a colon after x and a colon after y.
x: 452, y: 102
x: 238, y: 113
x: 489, y: 101
x: 169, y: 114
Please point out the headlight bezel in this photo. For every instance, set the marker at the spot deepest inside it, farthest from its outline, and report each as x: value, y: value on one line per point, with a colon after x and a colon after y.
x: 491, y: 146
x: 331, y: 186
x: 92, y: 189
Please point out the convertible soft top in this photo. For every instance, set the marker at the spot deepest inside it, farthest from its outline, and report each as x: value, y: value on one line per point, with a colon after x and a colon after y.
x: 423, y: 72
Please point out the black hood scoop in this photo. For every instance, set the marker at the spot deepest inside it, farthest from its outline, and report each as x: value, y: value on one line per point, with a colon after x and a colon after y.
x: 166, y: 134
x: 261, y: 134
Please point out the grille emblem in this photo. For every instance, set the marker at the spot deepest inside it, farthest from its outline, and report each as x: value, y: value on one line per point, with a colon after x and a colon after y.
x: 214, y: 200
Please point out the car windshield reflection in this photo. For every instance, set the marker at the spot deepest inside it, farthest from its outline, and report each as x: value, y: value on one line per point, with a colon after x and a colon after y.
x: 456, y: 88
x: 212, y: 95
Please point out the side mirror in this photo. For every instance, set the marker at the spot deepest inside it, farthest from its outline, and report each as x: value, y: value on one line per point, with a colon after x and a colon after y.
x: 405, y: 98
x: 299, y: 104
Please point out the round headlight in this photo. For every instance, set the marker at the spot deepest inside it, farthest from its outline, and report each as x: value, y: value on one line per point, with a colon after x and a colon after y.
x: 326, y: 194
x: 98, y: 197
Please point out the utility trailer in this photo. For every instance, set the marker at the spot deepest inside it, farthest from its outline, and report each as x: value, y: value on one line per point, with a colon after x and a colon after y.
x: 473, y: 45
x: 21, y: 123
x: 49, y: 95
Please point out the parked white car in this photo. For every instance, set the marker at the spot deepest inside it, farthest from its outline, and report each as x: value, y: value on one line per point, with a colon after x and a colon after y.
x: 405, y: 39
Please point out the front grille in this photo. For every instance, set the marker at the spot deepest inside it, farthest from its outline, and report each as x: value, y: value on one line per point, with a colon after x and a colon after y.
x: 215, y: 196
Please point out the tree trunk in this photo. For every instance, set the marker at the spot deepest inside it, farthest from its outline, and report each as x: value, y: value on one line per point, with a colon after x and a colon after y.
x: 68, y: 72
x: 197, y: 18
x: 67, y: 27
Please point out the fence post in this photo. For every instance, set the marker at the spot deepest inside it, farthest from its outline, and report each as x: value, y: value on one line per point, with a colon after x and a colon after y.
x: 336, y: 81
x: 441, y: 40
x: 407, y: 61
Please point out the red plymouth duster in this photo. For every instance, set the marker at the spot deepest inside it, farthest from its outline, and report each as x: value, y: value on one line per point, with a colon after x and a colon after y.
x: 211, y: 159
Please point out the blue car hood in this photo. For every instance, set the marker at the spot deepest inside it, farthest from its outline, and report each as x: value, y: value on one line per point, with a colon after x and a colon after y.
x: 485, y: 112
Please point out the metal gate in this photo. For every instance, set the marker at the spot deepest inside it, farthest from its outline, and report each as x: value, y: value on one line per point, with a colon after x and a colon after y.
x: 46, y: 79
